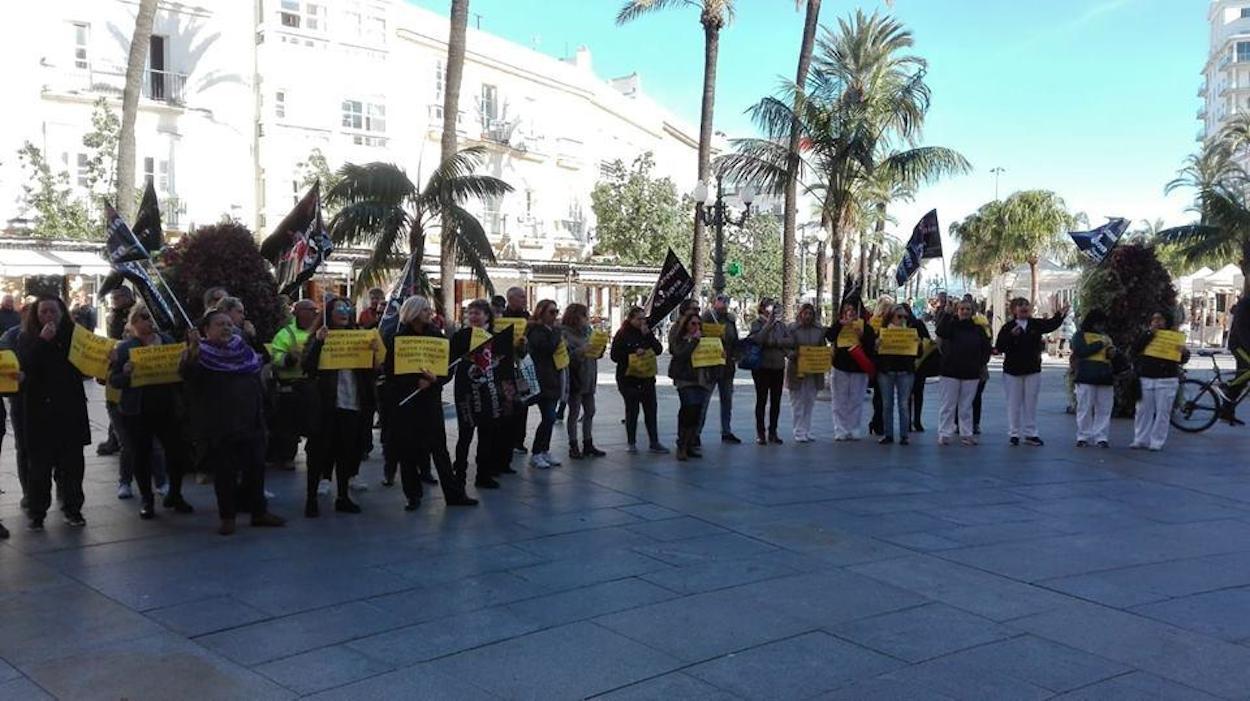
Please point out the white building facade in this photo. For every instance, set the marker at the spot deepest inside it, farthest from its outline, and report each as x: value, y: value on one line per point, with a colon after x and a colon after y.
x: 1226, y: 87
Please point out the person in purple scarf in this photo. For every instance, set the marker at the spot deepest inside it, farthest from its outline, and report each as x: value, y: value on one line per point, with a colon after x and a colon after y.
x: 225, y: 401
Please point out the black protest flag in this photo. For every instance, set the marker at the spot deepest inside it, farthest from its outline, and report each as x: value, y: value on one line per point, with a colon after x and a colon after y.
x: 491, y: 373
x: 122, y: 245
x: 1097, y: 243
x: 405, y: 286
x: 673, y: 286
x: 925, y: 242
x: 300, y: 244
x: 147, y: 228
x: 157, y: 302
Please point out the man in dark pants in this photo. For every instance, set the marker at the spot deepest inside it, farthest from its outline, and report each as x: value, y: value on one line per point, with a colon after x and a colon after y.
x: 121, y: 299
x: 517, y: 309
x: 290, y: 420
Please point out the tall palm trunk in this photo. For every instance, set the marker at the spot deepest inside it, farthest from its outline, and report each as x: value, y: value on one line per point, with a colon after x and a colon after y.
x: 792, y: 164
x: 836, y: 277
x: 451, y: 108
x: 130, y: 106
x: 822, y: 264
x: 711, y: 47
x: 867, y: 250
x: 1033, y: 286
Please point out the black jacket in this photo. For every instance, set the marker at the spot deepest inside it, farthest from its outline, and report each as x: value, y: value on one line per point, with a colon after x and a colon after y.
x: 398, y: 387
x: 842, y: 359
x: 1088, y: 370
x: 541, y: 343
x: 326, y: 383
x: 1151, y: 367
x: 478, y: 395
x: 1022, y: 353
x: 965, y: 348
x: 54, y: 404
x: 624, y: 344
x: 904, y: 363
x: 223, y: 405
x: 153, y: 399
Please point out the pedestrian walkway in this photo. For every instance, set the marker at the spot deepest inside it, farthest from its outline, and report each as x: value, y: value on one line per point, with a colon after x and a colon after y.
x: 853, y: 571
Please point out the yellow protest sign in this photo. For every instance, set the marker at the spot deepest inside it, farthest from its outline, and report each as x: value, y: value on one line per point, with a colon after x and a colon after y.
x: 642, y: 366
x: 847, y: 337
x: 814, y: 360
x: 155, y: 365
x: 984, y: 322
x: 422, y: 354
x: 899, y: 341
x: 875, y: 323
x: 112, y: 394
x: 478, y: 337
x: 709, y: 353
x: 8, y: 372
x: 711, y: 329
x: 517, y: 323
x: 380, y: 347
x: 347, y: 350
x: 1100, y: 356
x: 597, y: 345
x: 1166, y: 345
x: 90, y: 353
x: 561, y: 356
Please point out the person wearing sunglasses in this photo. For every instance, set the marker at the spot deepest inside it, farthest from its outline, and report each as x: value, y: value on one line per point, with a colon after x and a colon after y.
x: 543, y: 338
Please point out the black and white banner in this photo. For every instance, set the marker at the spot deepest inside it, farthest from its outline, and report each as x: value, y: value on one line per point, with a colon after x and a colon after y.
x: 673, y: 286
x: 925, y: 242
x: 1097, y: 243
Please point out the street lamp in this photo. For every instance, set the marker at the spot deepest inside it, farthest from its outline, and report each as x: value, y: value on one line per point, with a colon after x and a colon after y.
x: 715, y: 214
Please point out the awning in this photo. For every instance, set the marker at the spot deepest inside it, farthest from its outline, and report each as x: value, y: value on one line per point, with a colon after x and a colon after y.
x: 16, y: 262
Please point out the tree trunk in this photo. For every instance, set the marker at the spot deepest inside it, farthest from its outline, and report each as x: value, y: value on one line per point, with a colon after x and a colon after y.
x: 1245, y: 268
x: 788, y: 295
x: 1033, y: 286
x: 711, y: 46
x: 135, y: 64
x: 448, y: 148
x: 822, y: 264
x: 836, y: 276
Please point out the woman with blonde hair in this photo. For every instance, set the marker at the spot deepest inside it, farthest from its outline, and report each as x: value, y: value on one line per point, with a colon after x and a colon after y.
x: 884, y: 307
x: 803, y: 388
x: 583, y: 376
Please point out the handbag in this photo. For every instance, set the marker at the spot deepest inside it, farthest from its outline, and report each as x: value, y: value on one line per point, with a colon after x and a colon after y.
x: 527, y: 388
x: 752, y: 355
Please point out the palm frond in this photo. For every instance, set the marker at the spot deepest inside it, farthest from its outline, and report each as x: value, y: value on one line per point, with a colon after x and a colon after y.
x: 473, y: 248
x: 382, y: 183
x: 757, y: 161
x: 633, y: 9
x: 368, y: 223
x: 925, y: 164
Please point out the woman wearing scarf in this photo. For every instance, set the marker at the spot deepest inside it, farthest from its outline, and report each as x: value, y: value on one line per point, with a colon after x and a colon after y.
x: 226, y: 402
x: 414, y: 405
x: 54, y: 409
x: 583, y: 377
x: 152, y: 412
x: 343, y: 412
x: 484, y: 391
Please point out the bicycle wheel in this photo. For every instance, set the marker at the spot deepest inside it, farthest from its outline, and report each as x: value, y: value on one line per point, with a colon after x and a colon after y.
x: 1196, y: 408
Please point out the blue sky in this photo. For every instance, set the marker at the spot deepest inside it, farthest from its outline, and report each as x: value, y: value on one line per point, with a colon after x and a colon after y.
x: 1094, y: 99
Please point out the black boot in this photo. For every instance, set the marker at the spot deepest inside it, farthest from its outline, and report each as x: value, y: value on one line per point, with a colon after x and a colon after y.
x: 589, y: 450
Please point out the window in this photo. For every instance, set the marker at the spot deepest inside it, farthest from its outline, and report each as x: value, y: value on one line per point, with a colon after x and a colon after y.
x: 1245, y: 12
x: 301, y: 14
x: 353, y: 114
x: 366, y: 116
x: 84, y: 170
x: 82, y: 40
x: 375, y: 117
x: 1243, y: 51
x: 279, y: 104
x: 439, y: 74
x: 490, y: 104
x: 149, y: 169
x: 163, y: 184
x: 289, y: 13
x: 314, y: 17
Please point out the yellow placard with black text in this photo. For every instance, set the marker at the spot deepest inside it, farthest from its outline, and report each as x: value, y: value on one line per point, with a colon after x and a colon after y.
x: 847, y: 338
x: 155, y: 365
x: 711, y: 329
x: 709, y: 353
x: 90, y: 353
x: 9, y: 368
x: 1166, y: 345
x: 814, y: 360
x: 597, y: 344
x: 561, y: 356
x: 415, y: 354
x: 1101, y: 355
x: 517, y: 323
x: 479, y: 336
x: 899, y: 341
x: 348, y: 350
x: 642, y: 366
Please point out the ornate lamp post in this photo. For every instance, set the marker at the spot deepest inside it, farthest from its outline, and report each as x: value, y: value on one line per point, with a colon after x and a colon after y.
x: 715, y: 214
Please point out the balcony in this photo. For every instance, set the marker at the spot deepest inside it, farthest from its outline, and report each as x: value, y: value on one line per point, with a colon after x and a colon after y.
x: 165, y: 86
x: 110, y: 79
x: 498, y: 131
x: 1202, y: 90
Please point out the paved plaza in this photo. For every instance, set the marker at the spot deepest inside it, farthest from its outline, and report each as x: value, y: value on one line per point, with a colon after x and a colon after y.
x: 847, y: 571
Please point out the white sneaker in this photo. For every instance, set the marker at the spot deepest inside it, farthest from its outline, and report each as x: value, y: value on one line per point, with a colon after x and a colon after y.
x: 357, y: 485
x: 324, y: 487
x: 161, y: 489
x: 124, y: 491
x: 539, y: 462
x: 551, y: 461
x: 269, y: 494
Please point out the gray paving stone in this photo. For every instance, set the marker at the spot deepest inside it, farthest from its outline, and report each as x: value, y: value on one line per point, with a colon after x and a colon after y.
x: 321, y: 669
x: 1134, y: 586
x: 468, y: 594
x: 592, y: 660
x: 65, y: 620
x: 982, y: 593
x: 419, y: 682
x: 1222, y: 614
x: 697, y: 628
x: 829, y: 598
x: 589, y: 569
x: 444, y: 636
x: 1047, y: 664
x: 797, y: 667
x: 1136, y: 686
x: 1198, y: 661
x: 572, y: 522
x: 957, y: 679
x: 884, y: 690
x: 24, y: 689
x: 459, y: 564
x: 677, y: 529
x: 583, y: 543
x: 588, y: 602
x: 207, y: 616
x: 705, y: 549
x: 8, y: 672
x: 695, y: 579
x: 290, y: 635
x: 921, y: 633
x: 650, y: 512
x: 674, y: 685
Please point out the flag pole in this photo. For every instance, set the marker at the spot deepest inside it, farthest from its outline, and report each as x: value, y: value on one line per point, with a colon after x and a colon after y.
x: 450, y: 368
x: 172, y: 296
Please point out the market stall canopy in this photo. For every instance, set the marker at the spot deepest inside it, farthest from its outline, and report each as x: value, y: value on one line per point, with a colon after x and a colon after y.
x: 1225, y: 280
x: 22, y: 262
x: 1185, y: 283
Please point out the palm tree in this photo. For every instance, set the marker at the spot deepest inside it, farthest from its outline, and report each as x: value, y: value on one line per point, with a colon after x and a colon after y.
x: 1004, y: 233
x: 381, y: 208
x: 448, y: 253
x: 1223, y: 233
x: 790, y: 197
x: 713, y: 16
x: 130, y: 106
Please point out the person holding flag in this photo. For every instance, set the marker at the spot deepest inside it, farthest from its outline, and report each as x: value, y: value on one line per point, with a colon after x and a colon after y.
x: 300, y: 243
x: 485, y: 392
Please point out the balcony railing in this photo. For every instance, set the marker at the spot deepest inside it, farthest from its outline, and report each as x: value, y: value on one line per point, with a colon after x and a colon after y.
x: 165, y: 86
x: 106, y: 79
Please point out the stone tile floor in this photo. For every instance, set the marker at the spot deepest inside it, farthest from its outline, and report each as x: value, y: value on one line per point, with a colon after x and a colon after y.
x: 848, y: 571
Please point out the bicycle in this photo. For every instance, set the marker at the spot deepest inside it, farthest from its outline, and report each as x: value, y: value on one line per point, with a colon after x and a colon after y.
x: 1200, y: 404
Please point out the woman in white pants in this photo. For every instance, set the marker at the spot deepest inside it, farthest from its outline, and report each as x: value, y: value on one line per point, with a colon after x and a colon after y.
x: 1158, y: 374
x: 853, y: 341
x: 1021, y: 341
x: 1095, y: 380
x: 965, y: 353
x: 803, y: 388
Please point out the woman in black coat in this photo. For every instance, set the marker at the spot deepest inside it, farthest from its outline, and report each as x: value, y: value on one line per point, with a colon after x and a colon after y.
x: 485, y: 389
x: 635, y: 339
x: 54, y: 408
x: 151, y: 412
x: 965, y: 353
x: 417, y: 433
x: 542, y: 340
x: 343, y: 412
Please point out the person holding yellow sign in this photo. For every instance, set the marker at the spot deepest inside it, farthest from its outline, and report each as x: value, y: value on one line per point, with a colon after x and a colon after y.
x: 583, y: 378
x: 694, y: 380
x: 1159, y: 353
x: 898, y: 347
x: 1095, y: 379
x: 808, y: 363
x: 542, y: 339
x: 150, y: 412
x: 634, y: 349
x: 853, y: 342
x: 485, y: 393
x: 54, y: 408
x: 720, y: 315
x: 769, y: 338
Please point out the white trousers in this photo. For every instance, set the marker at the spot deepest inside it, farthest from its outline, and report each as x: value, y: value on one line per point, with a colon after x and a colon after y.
x: 802, y: 399
x: 848, y: 403
x: 1154, y: 411
x: 1022, y: 404
x: 1093, y: 412
x: 956, y: 398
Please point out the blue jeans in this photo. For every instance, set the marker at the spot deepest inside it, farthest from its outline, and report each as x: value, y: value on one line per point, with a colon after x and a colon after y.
x: 895, y: 389
x: 542, y: 436
x: 692, y: 401
x: 725, y: 387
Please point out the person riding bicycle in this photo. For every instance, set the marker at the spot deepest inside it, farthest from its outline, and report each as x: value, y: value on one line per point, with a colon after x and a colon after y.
x: 1239, y: 346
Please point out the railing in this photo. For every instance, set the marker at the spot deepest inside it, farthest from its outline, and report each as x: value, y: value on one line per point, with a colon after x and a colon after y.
x: 165, y: 86
x: 106, y: 79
